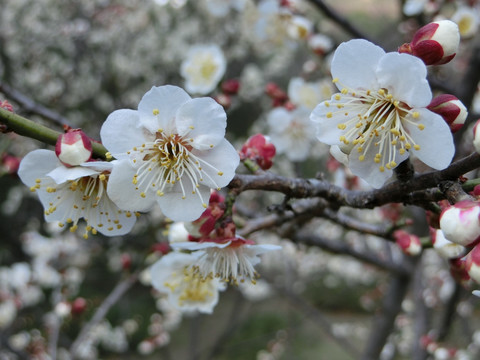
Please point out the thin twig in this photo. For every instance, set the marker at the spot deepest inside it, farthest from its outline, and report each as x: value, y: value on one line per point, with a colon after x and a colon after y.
x: 30, y: 106
x: 99, y: 315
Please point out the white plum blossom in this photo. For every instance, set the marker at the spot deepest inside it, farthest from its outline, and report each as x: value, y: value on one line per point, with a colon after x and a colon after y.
x: 309, y: 94
x: 170, y: 151
x: 468, y: 20
x: 71, y: 193
x: 379, y: 117
x: 230, y: 261
x: 173, y: 275
x: 291, y: 132
x: 203, y: 68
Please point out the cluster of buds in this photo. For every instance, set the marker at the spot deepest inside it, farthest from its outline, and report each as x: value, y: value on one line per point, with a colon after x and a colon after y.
x: 228, y: 88
x: 73, y: 148
x: 278, y: 96
x: 435, y: 43
x: 258, y: 148
x: 451, y: 109
x: 409, y: 243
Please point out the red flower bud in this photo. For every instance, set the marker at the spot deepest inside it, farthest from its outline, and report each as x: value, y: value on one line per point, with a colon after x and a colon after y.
x: 78, y: 306
x: 435, y: 43
x: 409, y: 243
x: 260, y: 150
x: 73, y: 148
x: 231, y: 86
x: 450, y: 109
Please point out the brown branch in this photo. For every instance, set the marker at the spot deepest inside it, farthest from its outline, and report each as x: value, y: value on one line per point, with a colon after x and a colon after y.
x: 395, y: 192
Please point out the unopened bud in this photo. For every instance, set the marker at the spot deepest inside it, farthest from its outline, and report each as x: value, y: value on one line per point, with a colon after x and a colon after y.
x: 450, y: 109
x: 73, y: 148
x: 6, y: 105
x: 473, y: 264
x: 460, y: 223
x: 435, y: 43
x: 320, y: 44
x: 446, y: 248
x: 231, y: 86
x: 177, y: 233
x: 259, y: 149
x: 476, y: 136
x: 409, y: 243
x: 79, y: 305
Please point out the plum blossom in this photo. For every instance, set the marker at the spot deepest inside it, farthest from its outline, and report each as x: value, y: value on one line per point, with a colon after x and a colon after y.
x: 170, y: 151
x: 379, y: 117
x: 203, y: 68
x: 291, y: 132
x: 309, y: 94
x: 71, y: 193
x: 173, y: 275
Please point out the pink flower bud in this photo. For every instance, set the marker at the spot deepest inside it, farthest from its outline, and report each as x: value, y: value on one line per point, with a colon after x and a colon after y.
x: 79, y: 305
x: 460, y: 223
x: 73, y: 148
x: 476, y: 136
x: 231, y: 86
x: 409, y: 243
x: 6, y: 105
x: 260, y: 150
x: 445, y: 248
x: 450, y: 109
x: 435, y: 43
x: 473, y: 264
x: 458, y: 270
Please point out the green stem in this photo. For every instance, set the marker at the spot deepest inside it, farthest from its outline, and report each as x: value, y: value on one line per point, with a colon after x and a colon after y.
x: 28, y: 128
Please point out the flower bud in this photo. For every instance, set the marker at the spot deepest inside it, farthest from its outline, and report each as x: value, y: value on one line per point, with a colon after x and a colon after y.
x: 445, y: 248
x: 450, y: 109
x: 231, y: 86
x: 473, y: 264
x: 460, y: 223
x: 409, y: 243
x: 458, y: 270
x: 73, y: 148
x: 320, y: 44
x: 79, y: 305
x: 435, y: 43
x: 6, y: 105
x: 259, y: 149
x: 476, y: 136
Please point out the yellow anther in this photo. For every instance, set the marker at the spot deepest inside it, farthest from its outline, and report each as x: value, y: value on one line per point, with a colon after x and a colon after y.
x: 329, y: 114
x: 389, y: 96
x: 33, y: 189
x: 342, y: 126
x: 335, y: 80
x: 156, y: 112
x: 102, y: 177
x: 38, y: 181
x: 393, y: 164
x: 220, y: 173
x: 358, y: 125
x: 344, y: 91
x: 191, y: 127
x: 73, y: 228
x: 416, y: 114
x: 381, y: 92
x: 395, y: 132
x: 108, y: 155
x: 94, y: 231
x: 143, y: 195
x: 337, y: 97
x: 401, y: 151
x: 376, y: 160
x: 421, y: 126
x: 361, y: 157
x: 359, y: 149
x: 327, y: 104
x: 396, y: 103
x: 416, y: 147
x: 381, y: 168
x: 408, y: 146
x: 159, y: 193
x: 394, y: 142
x: 204, y: 205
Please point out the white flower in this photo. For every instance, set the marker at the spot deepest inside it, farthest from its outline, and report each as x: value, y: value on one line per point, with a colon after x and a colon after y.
x: 446, y: 248
x: 203, y: 68
x: 467, y: 20
x: 380, y: 116
x: 291, y: 132
x: 229, y: 261
x: 173, y: 275
x: 309, y: 94
x: 171, y: 151
x: 69, y: 194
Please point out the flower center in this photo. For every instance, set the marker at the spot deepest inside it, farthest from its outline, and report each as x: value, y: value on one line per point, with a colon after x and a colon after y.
x: 84, y: 197
x: 374, y: 122
x: 167, y: 161
x: 190, y: 287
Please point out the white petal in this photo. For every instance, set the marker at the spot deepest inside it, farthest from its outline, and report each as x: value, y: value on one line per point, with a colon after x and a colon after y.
x: 405, y: 78
x: 167, y: 100
x: 62, y: 173
x: 279, y: 119
x: 435, y: 140
x: 202, y: 120
x: 122, y: 191
x: 224, y: 160
x: 98, y: 215
x: 36, y: 164
x: 354, y: 64
x: 189, y: 208
x: 122, y: 131
x: 327, y: 127
x: 194, y: 246
x: 99, y: 166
